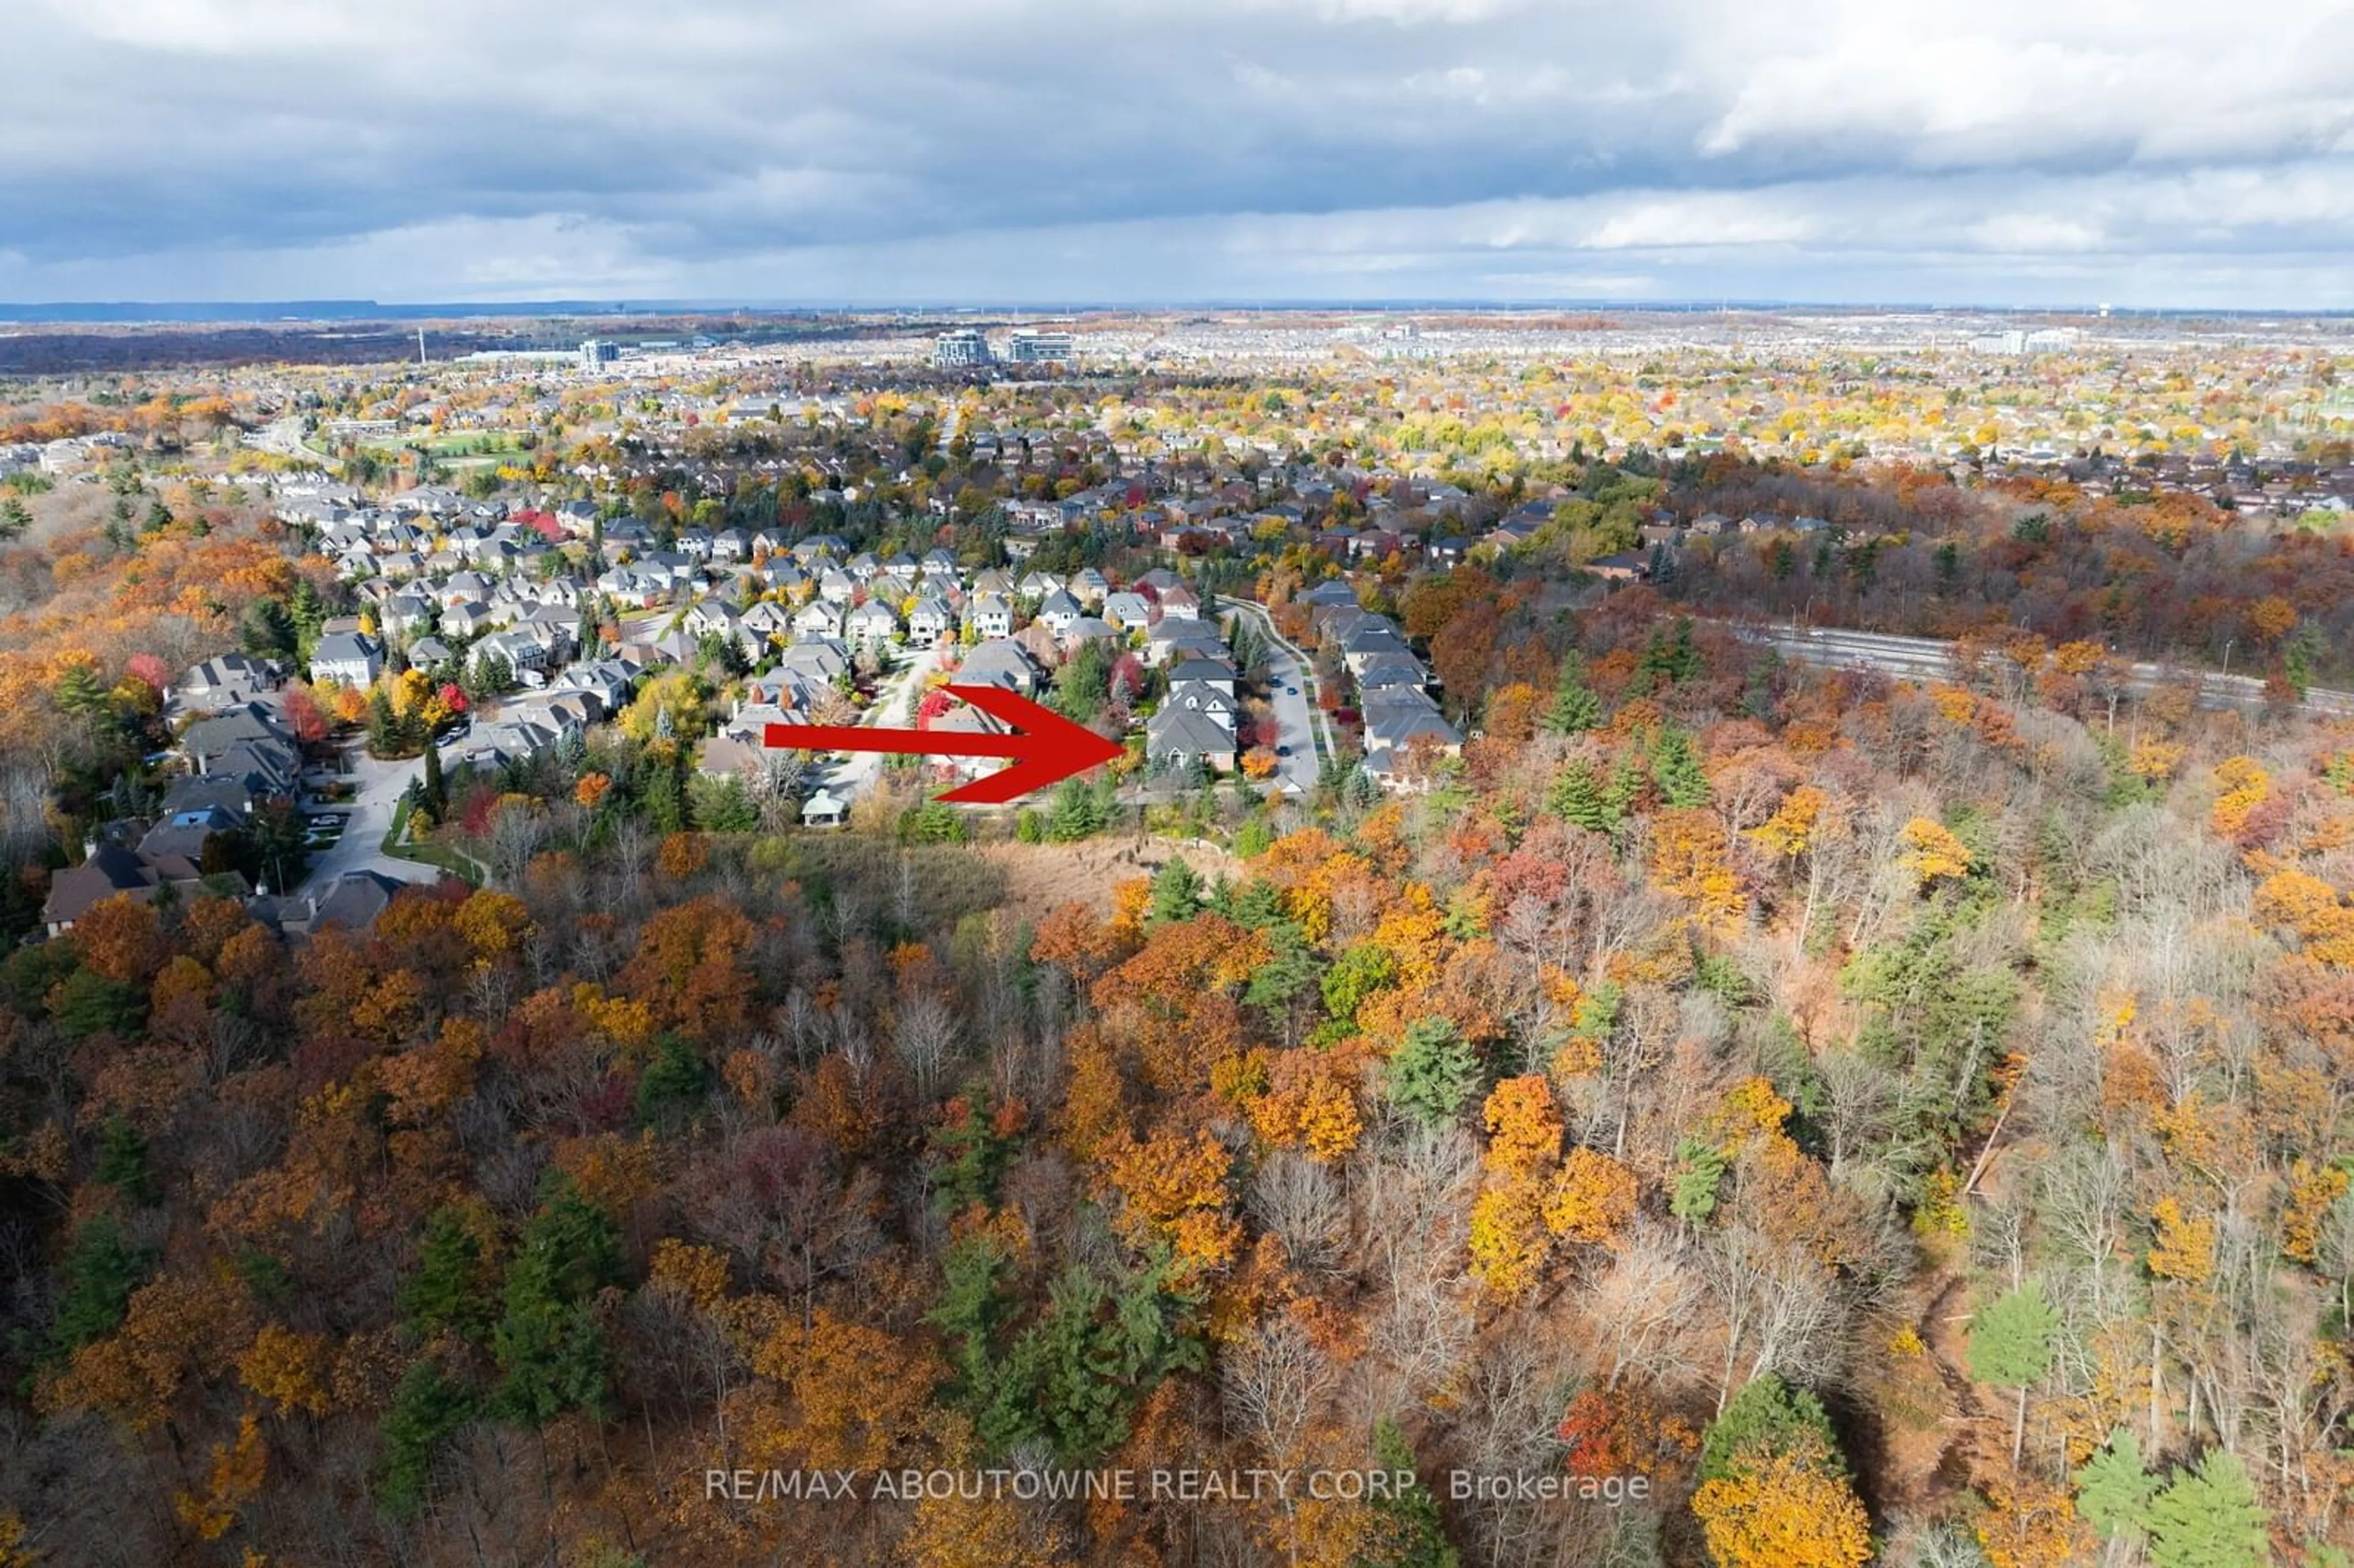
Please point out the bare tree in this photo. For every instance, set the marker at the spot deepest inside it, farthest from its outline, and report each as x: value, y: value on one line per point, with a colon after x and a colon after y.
x: 517, y: 833
x: 924, y: 1033
x: 1274, y: 1381
x: 1641, y: 1309
x: 1295, y: 1200
x: 1777, y: 1307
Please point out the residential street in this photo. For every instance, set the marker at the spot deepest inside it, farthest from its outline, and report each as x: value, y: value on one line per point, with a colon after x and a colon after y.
x: 894, y: 708
x: 381, y: 785
x: 1301, y: 725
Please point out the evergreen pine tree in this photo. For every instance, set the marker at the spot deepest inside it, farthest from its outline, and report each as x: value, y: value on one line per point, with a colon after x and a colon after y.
x: 1675, y: 766
x: 2010, y: 1345
x: 1416, y: 1538
x: 2114, y: 1490
x: 549, y: 1348
x: 436, y: 794
x: 1433, y: 1072
x: 1576, y: 708
x: 266, y: 629
x: 1767, y: 1415
x: 80, y: 691
x: 450, y: 1289
x: 1576, y: 797
x: 663, y: 796
x: 2209, y: 1518
x: 1070, y: 815
x: 123, y: 1161
x: 1700, y: 1169
x: 96, y: 1277
x: 383, y: 727
x: 426, y: 1408
x: 1176, y: 893
x: 1684, y: 656
x: 1625, y: 786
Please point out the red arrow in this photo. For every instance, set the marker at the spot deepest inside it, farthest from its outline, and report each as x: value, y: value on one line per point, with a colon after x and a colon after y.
x: 1049, y: 747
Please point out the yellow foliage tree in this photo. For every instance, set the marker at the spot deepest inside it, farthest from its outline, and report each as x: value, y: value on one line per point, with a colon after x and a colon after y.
x: 1790, y: 832
x: 1930, y: 852
x: 1175, y: 1188
x: 2312, y: 1192
x: 2031, y: 1524
x: 1688, y: 862
x: 2184, y: 1246
x: 2312, y: 908
x: 287, y: 1368
x: 1524, y: 1127
x: 493, y: 923
x: 239, y: 1470
x: 2153, y: 760
x: 1592, y: 1198
x: 1786, y: 1508
x: 1508, y: 1238
x: 852, y: 1397
x: 2242, y: 785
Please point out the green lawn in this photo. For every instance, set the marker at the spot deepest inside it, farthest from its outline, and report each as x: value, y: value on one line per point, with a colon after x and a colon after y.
x: 449, y: 860
x: 453, y: 443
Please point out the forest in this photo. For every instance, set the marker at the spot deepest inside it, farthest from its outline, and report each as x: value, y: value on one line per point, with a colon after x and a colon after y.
x: 1897, y: 1123
x: 1891, y: 1122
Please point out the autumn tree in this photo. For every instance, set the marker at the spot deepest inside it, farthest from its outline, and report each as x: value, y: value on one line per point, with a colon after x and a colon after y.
x: 1781, y: 1500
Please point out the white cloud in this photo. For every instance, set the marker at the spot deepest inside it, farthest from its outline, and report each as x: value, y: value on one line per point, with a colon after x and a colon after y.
x: 2031, y: 232
x: 1172, y: 148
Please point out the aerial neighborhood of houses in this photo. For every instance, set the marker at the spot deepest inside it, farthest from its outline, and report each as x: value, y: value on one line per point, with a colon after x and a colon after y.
x: 557, y: 618
x: 1212, y: 579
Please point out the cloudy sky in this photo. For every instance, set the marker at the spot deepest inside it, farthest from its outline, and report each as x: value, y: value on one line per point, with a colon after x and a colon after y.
x: 2144, y: 153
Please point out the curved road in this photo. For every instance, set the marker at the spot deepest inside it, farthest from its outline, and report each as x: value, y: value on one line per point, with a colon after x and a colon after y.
x: 1299, y: 723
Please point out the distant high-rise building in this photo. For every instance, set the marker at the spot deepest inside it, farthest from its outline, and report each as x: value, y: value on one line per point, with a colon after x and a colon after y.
x: 959, y: 350
x: 596, y: 354
x: 1028, y: 347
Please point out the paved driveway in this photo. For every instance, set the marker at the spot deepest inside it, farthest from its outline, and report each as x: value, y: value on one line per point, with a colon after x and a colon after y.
x: 381, y: 785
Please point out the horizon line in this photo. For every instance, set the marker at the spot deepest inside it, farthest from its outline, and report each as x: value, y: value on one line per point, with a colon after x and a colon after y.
x: 132, y: 313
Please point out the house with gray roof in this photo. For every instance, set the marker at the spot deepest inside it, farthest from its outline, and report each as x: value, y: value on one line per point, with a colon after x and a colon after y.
x: 1178, y: 737
x: 346, y: 658
x: 1001, y: 662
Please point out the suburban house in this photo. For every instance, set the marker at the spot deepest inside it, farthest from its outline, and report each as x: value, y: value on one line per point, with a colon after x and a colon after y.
x: 1625, y: 566
x: 929, y: 620
x: 111, y: 870
x: 993, y: 616
x: 1001, y: 662
x: 347, y: 659
x: 1179, y: 738
x: 226, y: 681
x: 1200, y: 697
x: 1129, y: 611
x: 873, y: 625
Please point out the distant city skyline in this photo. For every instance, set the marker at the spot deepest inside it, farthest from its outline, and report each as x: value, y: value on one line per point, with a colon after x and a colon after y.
x: 1034, y: 152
